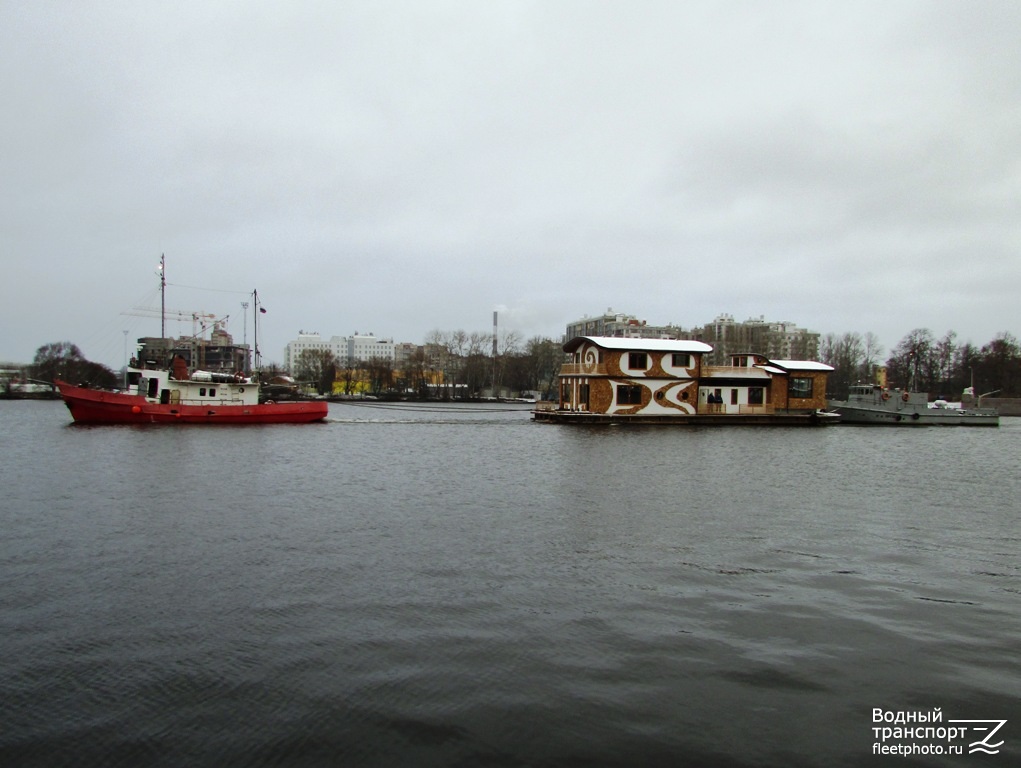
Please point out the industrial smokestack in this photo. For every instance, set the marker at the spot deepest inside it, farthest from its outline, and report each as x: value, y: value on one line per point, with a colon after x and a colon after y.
x: 494, y: 334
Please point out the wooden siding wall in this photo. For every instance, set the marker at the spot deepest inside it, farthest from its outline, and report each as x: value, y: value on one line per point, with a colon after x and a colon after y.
x: 779, y: 395
x: 614, y: 359
x: 603, y: 377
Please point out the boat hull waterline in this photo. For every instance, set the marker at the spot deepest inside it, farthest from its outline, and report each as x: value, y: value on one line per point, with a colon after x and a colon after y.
x: 96, y: 406
x: 850, y: 414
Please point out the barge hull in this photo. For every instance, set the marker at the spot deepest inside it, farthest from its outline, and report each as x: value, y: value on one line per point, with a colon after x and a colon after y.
x: 699, y: 420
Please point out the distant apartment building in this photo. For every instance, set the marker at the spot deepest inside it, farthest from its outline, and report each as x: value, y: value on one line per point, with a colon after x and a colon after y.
x: 622, y: 326
x: 403, y: 352
x: 336, y: 346
x: 346, y: 350
x: 781, y: 340
x: 777, y: 340
x: 364, y: 347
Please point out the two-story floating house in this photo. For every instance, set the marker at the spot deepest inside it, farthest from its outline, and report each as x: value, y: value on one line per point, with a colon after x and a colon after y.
x: 612, y: 379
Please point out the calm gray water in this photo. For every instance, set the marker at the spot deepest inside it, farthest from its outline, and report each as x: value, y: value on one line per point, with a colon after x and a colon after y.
x: 467, y: 588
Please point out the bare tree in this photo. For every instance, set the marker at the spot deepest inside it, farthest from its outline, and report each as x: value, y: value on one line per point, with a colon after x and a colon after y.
x: 942, y: 363
x: 63, y: 360
x: 846, y: 354
x: 318, y: 366
x: 910, y: 363
x: 873, y: 354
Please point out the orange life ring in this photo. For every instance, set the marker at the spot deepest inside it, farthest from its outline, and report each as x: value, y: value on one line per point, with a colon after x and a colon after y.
x: 904, y: 397
x: 886, y: 395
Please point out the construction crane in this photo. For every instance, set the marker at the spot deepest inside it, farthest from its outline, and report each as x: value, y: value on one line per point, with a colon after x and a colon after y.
x: 200, y: 321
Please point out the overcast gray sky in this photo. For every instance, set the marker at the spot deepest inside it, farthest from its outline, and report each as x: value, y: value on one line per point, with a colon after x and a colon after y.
x: 399, y: 167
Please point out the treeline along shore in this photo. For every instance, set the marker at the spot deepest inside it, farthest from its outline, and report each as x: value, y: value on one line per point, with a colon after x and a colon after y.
x: 459, y: 365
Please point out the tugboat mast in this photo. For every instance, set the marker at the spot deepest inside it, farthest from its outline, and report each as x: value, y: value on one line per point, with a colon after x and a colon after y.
x: 255, y: 322
x: 163, y: 296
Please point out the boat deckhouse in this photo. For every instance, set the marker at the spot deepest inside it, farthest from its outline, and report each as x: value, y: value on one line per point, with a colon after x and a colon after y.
x: 669, y: 380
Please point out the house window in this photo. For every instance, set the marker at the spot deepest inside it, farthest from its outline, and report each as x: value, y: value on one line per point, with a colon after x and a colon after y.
x: 637, y: 361
x: 800, y: 387
x: 681, y: 360
x: 583, y: 395
x: 629, y: 394
x: 755, y: 396
x: 733, y: 397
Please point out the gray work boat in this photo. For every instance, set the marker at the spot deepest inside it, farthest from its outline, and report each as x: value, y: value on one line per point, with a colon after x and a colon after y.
x: 874, y: 404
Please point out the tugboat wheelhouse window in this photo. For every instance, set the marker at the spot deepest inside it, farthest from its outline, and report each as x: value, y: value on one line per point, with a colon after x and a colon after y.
x: 637, y: 361
x: 800, y: 386
x: 629, y: 394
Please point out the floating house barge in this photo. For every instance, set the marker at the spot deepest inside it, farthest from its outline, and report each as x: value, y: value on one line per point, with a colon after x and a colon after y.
x: 615, y: 380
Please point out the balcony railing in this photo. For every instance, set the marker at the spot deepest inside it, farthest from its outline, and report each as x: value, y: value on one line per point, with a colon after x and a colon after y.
x: 580, y: 369
x: 736, y: 371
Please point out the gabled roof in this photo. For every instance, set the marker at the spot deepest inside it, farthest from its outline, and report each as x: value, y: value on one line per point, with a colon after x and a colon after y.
x: 639, y: 345
x: 802, y: 365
